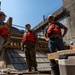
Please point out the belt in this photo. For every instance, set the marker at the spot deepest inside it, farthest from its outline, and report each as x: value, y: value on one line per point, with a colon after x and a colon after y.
x: 55, y: 38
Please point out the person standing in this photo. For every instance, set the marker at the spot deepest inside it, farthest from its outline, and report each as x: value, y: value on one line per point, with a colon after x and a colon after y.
x: 29, y: 39
x: 53, y: 32
x: 3, y: 30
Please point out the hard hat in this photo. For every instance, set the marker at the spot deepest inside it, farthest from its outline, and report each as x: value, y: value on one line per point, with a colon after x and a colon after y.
x: 2, y: 13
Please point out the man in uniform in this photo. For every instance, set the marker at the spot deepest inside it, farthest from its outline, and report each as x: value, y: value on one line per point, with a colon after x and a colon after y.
x: 29, y: 39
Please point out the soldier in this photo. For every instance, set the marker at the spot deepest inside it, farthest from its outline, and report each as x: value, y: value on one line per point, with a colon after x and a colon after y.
x: 29, y: 39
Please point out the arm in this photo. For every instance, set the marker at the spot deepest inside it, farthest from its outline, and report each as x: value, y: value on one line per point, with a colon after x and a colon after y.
x: 65, y: 31
x: 23, y: 41
x: 36, y: 38
x: 64, y: 28
x: 24, y: 38
x: 45, y: 32
x: 22, y: 46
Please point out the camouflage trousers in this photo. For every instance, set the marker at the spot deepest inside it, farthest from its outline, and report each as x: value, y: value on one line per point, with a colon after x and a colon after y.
x: 30, y: 55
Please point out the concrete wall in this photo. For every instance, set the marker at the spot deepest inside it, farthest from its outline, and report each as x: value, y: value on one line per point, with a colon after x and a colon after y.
x: 65, y: 22
x: 70, y: 6
x: 69, y: 21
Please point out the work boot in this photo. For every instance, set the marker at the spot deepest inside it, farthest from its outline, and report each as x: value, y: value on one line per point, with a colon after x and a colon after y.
x: 29, y: 69
x: 35, y: 68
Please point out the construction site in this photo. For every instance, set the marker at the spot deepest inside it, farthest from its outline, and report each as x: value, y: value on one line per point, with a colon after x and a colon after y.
x: 13, y: 59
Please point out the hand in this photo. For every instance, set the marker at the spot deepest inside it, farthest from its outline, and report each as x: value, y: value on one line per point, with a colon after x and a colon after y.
x: 46, y: 35
x: 22, y: 49
x: 61, y: 37
x: 47, y: 39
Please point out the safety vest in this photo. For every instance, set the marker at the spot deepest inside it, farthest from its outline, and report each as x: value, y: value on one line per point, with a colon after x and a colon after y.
x: 28, y: 37
x: 54, y: 29
x: 4, y: 32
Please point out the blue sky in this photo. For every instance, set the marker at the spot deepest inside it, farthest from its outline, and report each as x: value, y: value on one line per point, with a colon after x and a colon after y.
x: 29, y: 11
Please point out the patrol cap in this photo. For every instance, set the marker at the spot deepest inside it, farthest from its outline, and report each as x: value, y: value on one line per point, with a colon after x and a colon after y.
x: 2, y: 13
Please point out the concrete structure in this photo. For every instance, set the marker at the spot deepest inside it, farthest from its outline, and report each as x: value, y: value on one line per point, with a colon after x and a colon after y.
x: 65, y: 15
x: 70, y: 6
x: 62, y: 16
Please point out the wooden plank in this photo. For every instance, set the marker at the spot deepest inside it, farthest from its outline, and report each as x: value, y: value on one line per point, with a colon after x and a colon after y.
x: 44, y: 49
x: 55, y: 55
x: 20, y: 35
x: 24, y: 57
x: 13, y: 37
x: 19, y: 39
x: 25, y: 62
x: 26, y: 72
x: 42, y: 43
x: 17, y: 35
x: 13, y: 47
x: 9, y: 23
x: 19, y: 47
x: 32, y: 72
